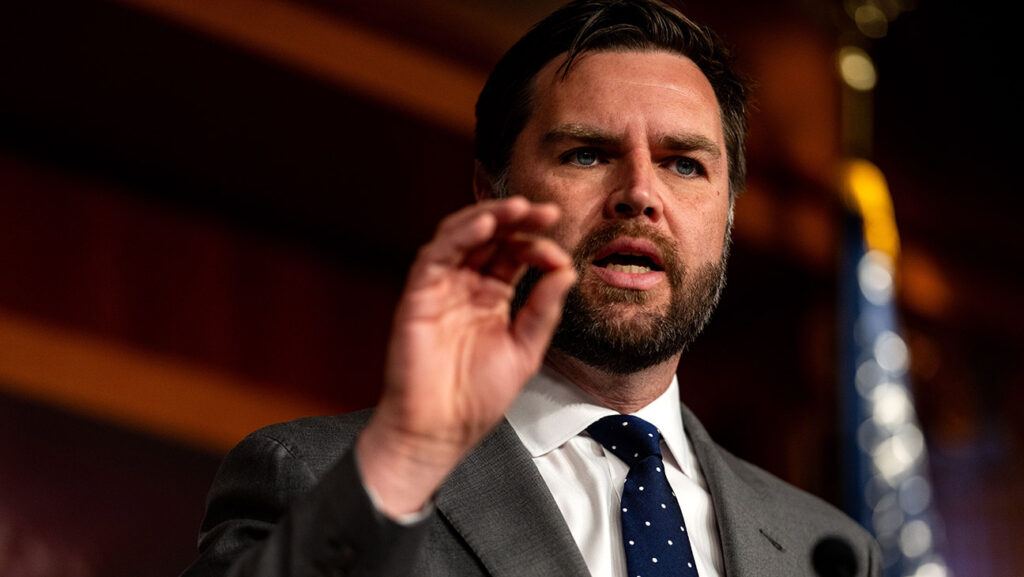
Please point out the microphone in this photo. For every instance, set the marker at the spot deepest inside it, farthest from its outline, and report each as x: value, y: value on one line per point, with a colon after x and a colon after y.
x: 834, y: 557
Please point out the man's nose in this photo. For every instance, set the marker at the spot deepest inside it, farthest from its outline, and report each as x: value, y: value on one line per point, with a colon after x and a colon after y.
x: 634, y: 193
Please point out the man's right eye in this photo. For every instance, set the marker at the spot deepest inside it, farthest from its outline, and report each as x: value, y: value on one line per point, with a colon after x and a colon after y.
x: 582, y: 157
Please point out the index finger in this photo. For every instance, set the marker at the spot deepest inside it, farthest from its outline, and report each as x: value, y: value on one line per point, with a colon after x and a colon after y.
x: 474, y: 227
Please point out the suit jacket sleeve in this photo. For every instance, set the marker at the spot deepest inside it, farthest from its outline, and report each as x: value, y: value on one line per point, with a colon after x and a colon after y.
x: 275, y: 512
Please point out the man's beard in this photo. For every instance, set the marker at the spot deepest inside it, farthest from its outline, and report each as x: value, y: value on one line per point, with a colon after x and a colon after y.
x: 593, y: 331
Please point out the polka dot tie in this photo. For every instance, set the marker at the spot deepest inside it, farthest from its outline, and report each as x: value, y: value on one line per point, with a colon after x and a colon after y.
x: 653, y: 532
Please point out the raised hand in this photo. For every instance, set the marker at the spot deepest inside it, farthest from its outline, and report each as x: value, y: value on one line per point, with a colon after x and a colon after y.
x: 456, y: 360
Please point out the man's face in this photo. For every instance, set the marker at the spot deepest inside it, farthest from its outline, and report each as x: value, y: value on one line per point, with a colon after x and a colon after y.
x: 630, y: 146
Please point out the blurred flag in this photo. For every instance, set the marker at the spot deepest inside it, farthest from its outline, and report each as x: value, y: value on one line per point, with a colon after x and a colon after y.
x: 886, y: 463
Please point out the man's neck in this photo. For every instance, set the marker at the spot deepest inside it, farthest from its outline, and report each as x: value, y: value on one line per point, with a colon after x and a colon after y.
x: 623, y: 393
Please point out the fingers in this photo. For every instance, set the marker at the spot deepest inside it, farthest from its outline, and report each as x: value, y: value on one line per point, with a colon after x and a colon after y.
x: 509, y: 258
x: 495, y: 238
x: 514, y: 211
x: 536, y: 321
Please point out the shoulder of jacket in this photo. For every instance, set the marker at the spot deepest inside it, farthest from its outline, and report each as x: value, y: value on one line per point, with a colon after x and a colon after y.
x: 317, y: 441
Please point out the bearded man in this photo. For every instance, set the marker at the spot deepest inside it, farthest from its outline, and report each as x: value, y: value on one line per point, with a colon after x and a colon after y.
x: 610, y: 149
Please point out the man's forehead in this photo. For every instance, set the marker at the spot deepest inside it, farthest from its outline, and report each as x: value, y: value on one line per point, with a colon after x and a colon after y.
x: 647, y: 68
x: 562, y: 66
x: 606, y: 87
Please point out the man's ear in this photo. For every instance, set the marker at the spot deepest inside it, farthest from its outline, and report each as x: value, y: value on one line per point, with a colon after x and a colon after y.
x: 483, y: 182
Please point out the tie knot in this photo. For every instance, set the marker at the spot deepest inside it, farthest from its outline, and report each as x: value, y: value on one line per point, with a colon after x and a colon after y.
x: 627, y: 437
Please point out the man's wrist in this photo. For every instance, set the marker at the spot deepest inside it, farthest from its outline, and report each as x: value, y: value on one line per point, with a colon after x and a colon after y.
x: 401, y: 473
x: 405, y: 519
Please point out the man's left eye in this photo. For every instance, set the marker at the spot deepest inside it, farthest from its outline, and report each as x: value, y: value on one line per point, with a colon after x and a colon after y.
x: 686, y: 166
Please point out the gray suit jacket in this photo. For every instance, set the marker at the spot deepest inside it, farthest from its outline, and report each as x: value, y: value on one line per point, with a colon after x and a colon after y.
x: 288, y: 501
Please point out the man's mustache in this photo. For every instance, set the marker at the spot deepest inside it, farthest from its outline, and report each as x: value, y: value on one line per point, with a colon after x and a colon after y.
x: 594, y: 241
x: 599, y: 237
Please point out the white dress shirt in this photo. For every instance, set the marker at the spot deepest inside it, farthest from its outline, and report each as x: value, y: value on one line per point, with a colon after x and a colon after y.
x: 551, y: 416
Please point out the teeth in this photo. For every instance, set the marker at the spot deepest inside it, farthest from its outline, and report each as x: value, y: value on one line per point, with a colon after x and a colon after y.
x: 630, y: 268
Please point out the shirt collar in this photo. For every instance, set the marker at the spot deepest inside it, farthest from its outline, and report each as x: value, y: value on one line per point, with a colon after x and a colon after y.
x: 551, y: 410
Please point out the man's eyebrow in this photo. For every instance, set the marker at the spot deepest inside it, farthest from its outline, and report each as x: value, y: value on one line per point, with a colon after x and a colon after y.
x: 595, y: 136
x: 580, y: 132
x: 692, y: 143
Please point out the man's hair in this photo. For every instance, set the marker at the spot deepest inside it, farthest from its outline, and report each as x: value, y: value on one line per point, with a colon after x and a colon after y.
x: 505, y: 104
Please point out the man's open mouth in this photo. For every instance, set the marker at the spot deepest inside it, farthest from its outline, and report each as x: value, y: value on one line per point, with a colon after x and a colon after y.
x: 633, y: 263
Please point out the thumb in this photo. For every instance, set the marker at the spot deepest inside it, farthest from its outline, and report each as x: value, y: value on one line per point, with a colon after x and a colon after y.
x: 536, y: 321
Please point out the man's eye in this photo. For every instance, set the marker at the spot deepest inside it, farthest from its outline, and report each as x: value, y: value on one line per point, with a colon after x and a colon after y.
x: 687, y: 166
x: 583, y: 157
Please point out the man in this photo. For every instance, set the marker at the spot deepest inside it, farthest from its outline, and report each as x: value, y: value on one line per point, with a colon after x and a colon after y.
x: 612, y: 132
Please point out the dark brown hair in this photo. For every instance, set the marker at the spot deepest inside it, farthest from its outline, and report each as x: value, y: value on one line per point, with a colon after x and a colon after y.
x: 505, y: 104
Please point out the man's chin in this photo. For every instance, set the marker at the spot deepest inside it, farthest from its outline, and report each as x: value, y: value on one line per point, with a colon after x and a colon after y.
x: 625, y: 331
x: 615, y: 337
x: 629, y: 320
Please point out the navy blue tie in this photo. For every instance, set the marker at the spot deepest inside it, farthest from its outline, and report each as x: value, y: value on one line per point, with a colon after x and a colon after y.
x: 653, y: 532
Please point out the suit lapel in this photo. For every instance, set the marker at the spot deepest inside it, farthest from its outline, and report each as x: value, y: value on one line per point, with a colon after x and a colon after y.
x: 499, y: 503
x: 753, y: 544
